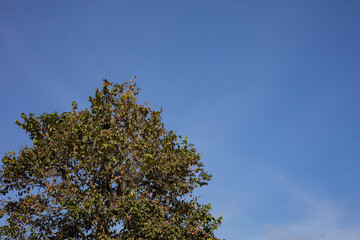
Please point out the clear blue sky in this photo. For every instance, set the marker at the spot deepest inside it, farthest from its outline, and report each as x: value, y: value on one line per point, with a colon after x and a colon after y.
x: 268, y: 91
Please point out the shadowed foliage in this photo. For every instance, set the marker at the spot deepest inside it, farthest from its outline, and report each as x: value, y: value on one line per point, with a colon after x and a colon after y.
x: 108, y: 172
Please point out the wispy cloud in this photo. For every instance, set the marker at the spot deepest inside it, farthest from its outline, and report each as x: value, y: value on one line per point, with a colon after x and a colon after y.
x: 311, y: 229
x: 323, y: 219
x: 61, y: 93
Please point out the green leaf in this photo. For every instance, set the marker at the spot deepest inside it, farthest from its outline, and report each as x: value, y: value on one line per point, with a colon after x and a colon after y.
x: 113, y: 164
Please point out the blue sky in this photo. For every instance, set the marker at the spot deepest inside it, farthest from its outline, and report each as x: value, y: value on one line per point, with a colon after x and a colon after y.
x: 268, y: 91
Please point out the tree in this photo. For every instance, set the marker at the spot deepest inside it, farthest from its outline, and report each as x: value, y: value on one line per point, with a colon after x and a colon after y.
x: 109, y: 172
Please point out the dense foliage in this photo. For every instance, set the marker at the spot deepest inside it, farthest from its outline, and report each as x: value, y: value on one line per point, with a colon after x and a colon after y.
x: 108, y: 172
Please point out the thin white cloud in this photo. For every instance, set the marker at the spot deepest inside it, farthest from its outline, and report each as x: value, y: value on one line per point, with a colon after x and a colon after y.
x: 231, y: 209
x: 311, y: 229
x: 323, y: 219
x: 60, y: 92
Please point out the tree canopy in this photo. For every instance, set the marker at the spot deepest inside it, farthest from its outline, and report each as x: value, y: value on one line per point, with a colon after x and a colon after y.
x: 108, y: 172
